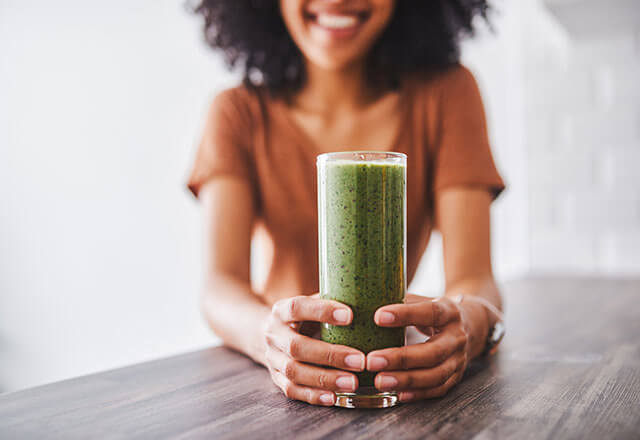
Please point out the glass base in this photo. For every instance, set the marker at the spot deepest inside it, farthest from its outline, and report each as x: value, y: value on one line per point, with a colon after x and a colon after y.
x: 367, y: 397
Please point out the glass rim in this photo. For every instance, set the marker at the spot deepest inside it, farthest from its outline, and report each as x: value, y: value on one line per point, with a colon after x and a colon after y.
x: 363, y: 156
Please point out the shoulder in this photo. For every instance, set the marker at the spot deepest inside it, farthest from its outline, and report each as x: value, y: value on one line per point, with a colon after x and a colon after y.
x: 453, y: 80
x: 236, y: 104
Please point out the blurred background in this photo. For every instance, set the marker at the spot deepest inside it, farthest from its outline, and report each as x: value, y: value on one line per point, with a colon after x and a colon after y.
x: 101, y: 107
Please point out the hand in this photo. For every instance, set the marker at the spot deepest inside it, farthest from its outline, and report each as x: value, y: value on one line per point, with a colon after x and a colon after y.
x: 428, y: 369
x: 295, y: 361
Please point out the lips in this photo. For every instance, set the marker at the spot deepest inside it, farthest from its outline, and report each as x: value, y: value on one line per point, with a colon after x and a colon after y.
x: 334, y: 21
x: 338, y: 22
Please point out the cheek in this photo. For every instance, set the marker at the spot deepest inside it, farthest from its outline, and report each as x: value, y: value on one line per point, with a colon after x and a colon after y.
x: 382, y: 15
x: 293, y: 17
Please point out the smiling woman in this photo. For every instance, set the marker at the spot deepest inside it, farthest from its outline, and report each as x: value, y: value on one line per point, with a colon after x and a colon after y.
x: 320, y: 75
x: 414, y: 35
x: 333, y: 35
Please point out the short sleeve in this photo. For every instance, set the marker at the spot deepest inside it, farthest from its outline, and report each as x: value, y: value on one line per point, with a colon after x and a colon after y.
x: 224, y: 146
x: 462, y: 152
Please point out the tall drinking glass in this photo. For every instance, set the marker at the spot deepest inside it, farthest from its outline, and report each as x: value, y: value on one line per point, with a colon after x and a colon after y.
x: 362, y: 245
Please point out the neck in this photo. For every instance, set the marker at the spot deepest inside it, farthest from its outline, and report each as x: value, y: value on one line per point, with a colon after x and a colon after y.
x: 328, y: 91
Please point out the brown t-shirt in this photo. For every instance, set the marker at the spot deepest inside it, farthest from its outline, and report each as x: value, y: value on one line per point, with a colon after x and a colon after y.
x: 250, y: 136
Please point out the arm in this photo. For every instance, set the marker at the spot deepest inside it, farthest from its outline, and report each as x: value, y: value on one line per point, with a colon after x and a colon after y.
x: 463, y: 218
x: 231, y: 309
x: 269, y: 335
x: 458, y: 331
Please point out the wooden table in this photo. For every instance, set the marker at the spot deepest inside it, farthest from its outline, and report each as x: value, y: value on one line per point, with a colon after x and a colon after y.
x: 568, y: 368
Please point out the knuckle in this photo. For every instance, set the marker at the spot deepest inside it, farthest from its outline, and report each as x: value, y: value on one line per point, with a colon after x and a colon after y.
x: 455, y: 314
x: 323, y: 381
x: 441, y: 392
x: 443, y: 375
x: 290, y: 369
x: 268, y: 340
x: 407, y: 382
x: 271, y: 338
x: 403, y: 358
x: 438, y: 353
x: 287, y: 389
x: 293, y: 346
x: 268, y: 355
x: 325, y: 313
x: 462, y: 341
x: 310, y: 396
x: 437, y: 312
x: 464, y: 330
x: 277, y: 306
x: 454, y: 366
x: 268, y: 324
x: 293, y: 307
x: 331, y: 356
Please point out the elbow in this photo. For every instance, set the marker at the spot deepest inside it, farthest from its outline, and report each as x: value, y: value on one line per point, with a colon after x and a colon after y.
x: 219, y: 292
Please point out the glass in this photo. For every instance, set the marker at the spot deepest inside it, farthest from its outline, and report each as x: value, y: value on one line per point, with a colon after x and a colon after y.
x: 362, y: 245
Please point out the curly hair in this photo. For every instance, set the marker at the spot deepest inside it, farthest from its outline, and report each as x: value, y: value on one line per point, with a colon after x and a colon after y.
x: 422, y: 35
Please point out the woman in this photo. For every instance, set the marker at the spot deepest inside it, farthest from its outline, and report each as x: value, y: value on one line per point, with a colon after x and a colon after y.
x: 320, y: 75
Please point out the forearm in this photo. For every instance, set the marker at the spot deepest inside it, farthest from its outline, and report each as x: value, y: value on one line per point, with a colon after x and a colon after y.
x: 236, y: 315
x: 480, y: 319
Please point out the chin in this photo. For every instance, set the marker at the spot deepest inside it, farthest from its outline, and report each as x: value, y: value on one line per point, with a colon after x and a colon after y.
x: 330, y: 62
x: 335, y: 35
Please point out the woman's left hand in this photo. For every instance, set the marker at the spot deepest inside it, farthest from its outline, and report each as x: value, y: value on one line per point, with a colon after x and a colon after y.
x: 428, y: 369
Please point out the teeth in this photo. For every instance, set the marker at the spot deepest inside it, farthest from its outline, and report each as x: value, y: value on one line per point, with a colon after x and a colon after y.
x: 336, y: 21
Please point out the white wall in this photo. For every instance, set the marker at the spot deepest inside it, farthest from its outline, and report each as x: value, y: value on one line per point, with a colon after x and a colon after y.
x: 583, y: 141
x: 100, y: 106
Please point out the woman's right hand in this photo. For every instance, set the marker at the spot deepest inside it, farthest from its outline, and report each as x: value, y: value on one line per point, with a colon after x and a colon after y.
x: 296, y: 362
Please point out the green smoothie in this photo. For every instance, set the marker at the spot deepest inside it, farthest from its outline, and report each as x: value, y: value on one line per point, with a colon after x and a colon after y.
x: 362, y: 235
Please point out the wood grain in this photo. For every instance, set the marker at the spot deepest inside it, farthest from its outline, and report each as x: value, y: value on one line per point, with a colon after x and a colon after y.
x: 568, y: 368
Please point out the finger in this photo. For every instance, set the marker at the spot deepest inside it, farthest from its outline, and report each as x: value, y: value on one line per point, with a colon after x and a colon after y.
x: 424, y: 355
x: 306, y: 394
x: 305, y: 349
x: 430, y: 393
x: 434, y: 313
x: 305, y: 308
x: 420, y: 378
x: 304, y: 374
x: 413, y: 298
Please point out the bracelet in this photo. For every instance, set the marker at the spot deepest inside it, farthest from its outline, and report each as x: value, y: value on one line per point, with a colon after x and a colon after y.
x: 496, y: 331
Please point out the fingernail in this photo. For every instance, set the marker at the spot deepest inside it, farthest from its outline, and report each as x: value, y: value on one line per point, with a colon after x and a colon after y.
x: 346, y: 383
x: 406, y: 396
x: 326, y: 399
x: 387, y: 382
x: 355, y: 361
x: 386, y: 318
x: 376, y: 363
x: 341, y: 315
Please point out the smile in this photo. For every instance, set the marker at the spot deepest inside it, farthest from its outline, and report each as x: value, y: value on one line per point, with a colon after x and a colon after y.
x: 338, y: 24
x: 331, y: 21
